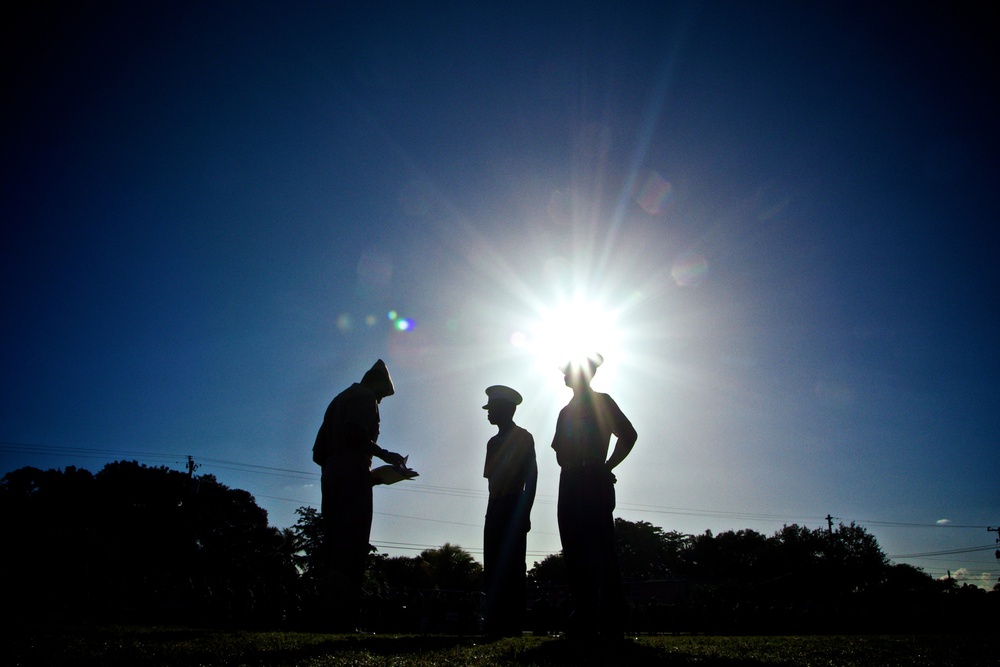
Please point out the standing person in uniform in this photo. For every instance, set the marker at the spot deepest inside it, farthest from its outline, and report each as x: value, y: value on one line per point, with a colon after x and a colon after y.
x: 513, y: 476
x: 587, y: 500
x: 344, y: 447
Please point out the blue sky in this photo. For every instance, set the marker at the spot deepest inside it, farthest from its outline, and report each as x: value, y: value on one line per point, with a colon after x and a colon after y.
x: 778, y: 220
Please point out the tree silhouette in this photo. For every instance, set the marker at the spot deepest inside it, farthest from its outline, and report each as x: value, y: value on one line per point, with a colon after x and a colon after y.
x: 549, y: 572
x: 135, y: 542
x: 140, y: 543
x: 450, y: 567
x: 52, y: 559
x: 307, y: 542
x: 647, y: 552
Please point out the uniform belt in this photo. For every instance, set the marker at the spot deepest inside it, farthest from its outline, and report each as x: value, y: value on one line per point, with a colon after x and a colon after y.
x: 585, y: 464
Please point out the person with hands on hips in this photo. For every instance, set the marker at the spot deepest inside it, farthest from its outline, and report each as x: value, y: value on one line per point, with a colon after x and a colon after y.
x: 587, y: 500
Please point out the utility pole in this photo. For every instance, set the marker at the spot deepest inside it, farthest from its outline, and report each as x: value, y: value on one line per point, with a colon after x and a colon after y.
x: 991, y: 529
x: 193, y: 484
x: 829, y: 524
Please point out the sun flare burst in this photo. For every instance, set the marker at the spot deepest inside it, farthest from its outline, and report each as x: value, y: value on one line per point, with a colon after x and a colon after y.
x: 571, y: 331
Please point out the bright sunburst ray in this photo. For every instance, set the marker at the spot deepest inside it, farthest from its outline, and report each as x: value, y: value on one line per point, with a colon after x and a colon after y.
x: 571, y: 331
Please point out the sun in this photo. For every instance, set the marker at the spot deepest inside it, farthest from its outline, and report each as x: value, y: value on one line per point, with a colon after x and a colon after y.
x: 571, y: 331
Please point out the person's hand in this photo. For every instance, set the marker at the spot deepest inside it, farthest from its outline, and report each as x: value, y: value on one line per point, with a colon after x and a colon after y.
x: 393, y: 458
x: 614, y: 480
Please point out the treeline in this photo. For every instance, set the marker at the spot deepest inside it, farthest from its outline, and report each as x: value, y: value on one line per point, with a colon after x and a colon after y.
x: 138, y: 543
x: 148, y: 544
x: 798, y: 580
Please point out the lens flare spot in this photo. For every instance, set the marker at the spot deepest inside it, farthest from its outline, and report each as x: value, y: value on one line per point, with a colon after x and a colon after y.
x: 690, y: 270
x: 370, y: 320
x: 345, y: 322
x: 400, y: 323
x: 651, y: 191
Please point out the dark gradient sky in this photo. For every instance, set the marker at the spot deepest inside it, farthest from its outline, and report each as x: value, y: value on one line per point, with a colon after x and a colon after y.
x: 787, y: 212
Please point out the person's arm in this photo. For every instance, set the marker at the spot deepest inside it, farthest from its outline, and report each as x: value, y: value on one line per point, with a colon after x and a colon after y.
x: 622, y: 429
x: 358, y: 437
x: 362, y: 430
x: 558, y: 437
x: 391, y: 458
x: 530, y: 485
x: 320, y: 452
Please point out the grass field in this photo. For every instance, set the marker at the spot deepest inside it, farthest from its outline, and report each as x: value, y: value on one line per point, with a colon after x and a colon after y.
x: 178, y: 647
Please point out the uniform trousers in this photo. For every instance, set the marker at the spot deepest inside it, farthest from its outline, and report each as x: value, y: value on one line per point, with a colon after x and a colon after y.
x: 505, y: 541
x: 347, y: 524
x: 587, y: 530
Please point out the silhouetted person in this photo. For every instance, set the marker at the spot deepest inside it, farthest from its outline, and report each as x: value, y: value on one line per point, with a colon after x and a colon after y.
x: 344, y: 447
x: 587, y: 500
x: 513, y: 476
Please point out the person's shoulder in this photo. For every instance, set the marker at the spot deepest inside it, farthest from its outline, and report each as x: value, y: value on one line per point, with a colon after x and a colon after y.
x: 568, y: 412
x: 523, y: 441
x: 606, y: 401
x: 358, y: 391
x: 358, y: 402
x: 523, y: 432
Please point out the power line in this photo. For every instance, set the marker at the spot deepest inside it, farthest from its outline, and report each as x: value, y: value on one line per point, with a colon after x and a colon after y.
x: 407, y: 546
x: 946, y: 552
x: 990, y: 562
x: 460, y: 492
x: 976, y: 573
x: 448, y: 491
x: 84, y: 452
x: 402, y: 516
x: 250, y: 467
x: 717, y: 514
x: 902, y: 524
